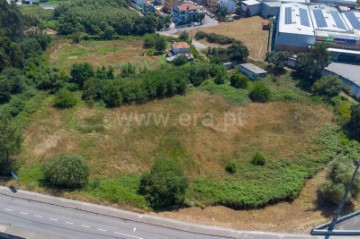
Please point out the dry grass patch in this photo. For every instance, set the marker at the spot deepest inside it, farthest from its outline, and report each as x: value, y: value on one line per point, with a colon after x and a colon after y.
x: 247, y: 30
x: 63, y: 54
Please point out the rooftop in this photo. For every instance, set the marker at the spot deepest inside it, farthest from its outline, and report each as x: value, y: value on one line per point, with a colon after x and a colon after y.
x: 352, y: 18
x: 327, y: 18
x: 250, y: 2
x: 295, y: 18
x: 253, y: 68
x: 180, y: 45
x: 348, y: 71
x: 185, y: 6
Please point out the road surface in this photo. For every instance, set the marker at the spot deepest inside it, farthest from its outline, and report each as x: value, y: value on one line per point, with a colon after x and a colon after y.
x: 39, y: 216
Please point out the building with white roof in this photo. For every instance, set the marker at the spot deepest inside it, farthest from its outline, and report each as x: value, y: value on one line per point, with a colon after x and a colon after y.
x: 349, y: 3
x: 295, y: 31
x: 252, y: 6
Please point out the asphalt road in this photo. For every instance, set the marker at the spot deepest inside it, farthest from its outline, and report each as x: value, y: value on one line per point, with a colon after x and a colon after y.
x: 69, y: 223
x: 38, y: 216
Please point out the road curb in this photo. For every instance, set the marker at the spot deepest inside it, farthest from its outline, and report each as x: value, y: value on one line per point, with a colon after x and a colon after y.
x: 141, y: 218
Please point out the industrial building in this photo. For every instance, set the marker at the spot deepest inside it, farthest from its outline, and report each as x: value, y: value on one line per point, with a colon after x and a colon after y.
x: 251, y: 6
x: 299, y: 26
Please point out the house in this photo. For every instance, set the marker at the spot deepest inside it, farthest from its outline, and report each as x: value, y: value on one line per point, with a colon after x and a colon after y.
x: 348, y: 74
x: 252, y: 71
x: 184, y: 12
x: 251, y: 6
x: 180, y: 48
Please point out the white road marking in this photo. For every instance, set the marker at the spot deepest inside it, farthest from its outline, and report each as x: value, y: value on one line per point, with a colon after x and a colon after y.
x: 8, y: 209
x: 134, y: 229
x: 123, y: 234
x: 69, y: 223
x: 38, y: 216
x: 85, y: 226
x: 103, y: 230
x: 24, y: 213
x: 53, y: 219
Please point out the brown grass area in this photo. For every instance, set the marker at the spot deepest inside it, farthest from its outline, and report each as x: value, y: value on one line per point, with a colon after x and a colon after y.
x: 63, y: 54
x: 114, y: 148
x: 247, y: 30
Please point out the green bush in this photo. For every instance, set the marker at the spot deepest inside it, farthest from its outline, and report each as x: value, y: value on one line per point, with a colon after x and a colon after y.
x: 230, y: 167
x: 238, y: 80
x: 260, y: 93
x: 329, y: 86
x: 200, y: 35
x: 258, y: 159
x: 64, y: 99
x: 66, y: 171
x: 165, y: 185
x: 180, y: 60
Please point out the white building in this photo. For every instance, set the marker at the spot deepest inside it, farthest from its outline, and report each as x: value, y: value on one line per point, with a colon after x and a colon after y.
x: 349, y: 75
x: 251, y: 5
x: 252, y: 71
x: 229, y: 4
x: 183, y: 12
x: 269, y: 9
x: 295, y: 31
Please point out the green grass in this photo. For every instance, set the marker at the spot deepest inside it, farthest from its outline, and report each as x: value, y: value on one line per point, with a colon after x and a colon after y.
x: 36, y: 11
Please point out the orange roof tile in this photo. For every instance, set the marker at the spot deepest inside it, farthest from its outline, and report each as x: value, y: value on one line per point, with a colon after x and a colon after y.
x: 180, y: 45
x: 187, y: 6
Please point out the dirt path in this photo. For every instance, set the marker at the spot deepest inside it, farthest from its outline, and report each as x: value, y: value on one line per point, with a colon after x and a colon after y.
x: 298, y: 216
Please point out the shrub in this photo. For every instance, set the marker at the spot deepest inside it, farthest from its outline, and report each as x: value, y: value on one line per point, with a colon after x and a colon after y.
x: 230, y: 167
x: 260, y: 93
x: 80, y: 72
x: 239, y: 81
x: 329, y: 86
x: 165, y: 185
x: 180, y: 60
x: 66, y: 171
x: 258, y: 159
x: 200, y: 35
x: 354, y: 124
x: 64, y: 99
x: 184, y: 36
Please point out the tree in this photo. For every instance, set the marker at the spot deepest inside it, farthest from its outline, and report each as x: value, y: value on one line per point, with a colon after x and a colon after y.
x: 160, y: 44
x: 165, y: 185
x: 10, y: 145
x: 149, y: 41
x: 80, y: 72
x: 221, y: 13
x: 108, y: 33
x: 339, y: 177
x: 238, y: 80
x: 64, y: 99
x: 354, y: 124
x: 184, y: 36
x: 180, y: 60
x: 260, y: 93
x: 66, y: 171
x: 328, y: 86
x: 277, y: 59
x: 237, y: 52
x: 112, y: 95
x: 310, y: 65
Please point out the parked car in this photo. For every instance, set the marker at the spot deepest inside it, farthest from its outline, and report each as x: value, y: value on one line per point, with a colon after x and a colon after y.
x: 196, y: 23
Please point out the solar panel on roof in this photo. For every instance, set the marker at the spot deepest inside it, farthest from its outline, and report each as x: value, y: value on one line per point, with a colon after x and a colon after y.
x: 304, y: 18
x: 320, y: 19
x: 338, y: 21
x: 288, y: 19
x: 353, y: 20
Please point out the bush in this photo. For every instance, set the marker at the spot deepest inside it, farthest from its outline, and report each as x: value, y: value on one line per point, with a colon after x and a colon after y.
x: 200, y: 35
x: 64, y: 99
x: 66, y: 171
x: 328, y: 86
x: 80, y: 72
x: 165, y: 185
x: 354, y: 124
x: 258, y: 159
x: 184, y: 36
x: 260, y: 93
x: 230, y: 167
x: 180, y: 60
x: 239, y: 81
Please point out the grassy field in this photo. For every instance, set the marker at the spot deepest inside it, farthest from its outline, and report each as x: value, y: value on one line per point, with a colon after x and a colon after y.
x: 247, y: 30
x: 119, y: 152
x: 64, y: 54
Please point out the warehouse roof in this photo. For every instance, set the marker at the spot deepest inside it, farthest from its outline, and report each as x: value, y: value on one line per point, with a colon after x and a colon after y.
x: 251, y: 67
x: 347, y: 71
x: 352, y: 18
x: 295, y: 18
x: 327, y: 18
x: 272, y: 4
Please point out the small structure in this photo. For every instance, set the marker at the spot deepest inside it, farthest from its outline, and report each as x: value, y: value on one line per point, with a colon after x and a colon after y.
x: 180, y: 48
x: 270, y: 9
x: 266, y: 25
x: 230, y: 5
x: 251, y: 6
x: 348, y: 74
x: 252, y: 71
x: 184, y: 12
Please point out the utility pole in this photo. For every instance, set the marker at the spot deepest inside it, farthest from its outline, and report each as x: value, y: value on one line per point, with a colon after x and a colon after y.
x: 343, y: 201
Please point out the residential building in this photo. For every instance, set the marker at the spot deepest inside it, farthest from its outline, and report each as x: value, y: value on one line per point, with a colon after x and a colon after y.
x: 184, y: 12
x: 252, y: 71
x: 180, y: 48
x: 228, y: 4
x: 349, y: 75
